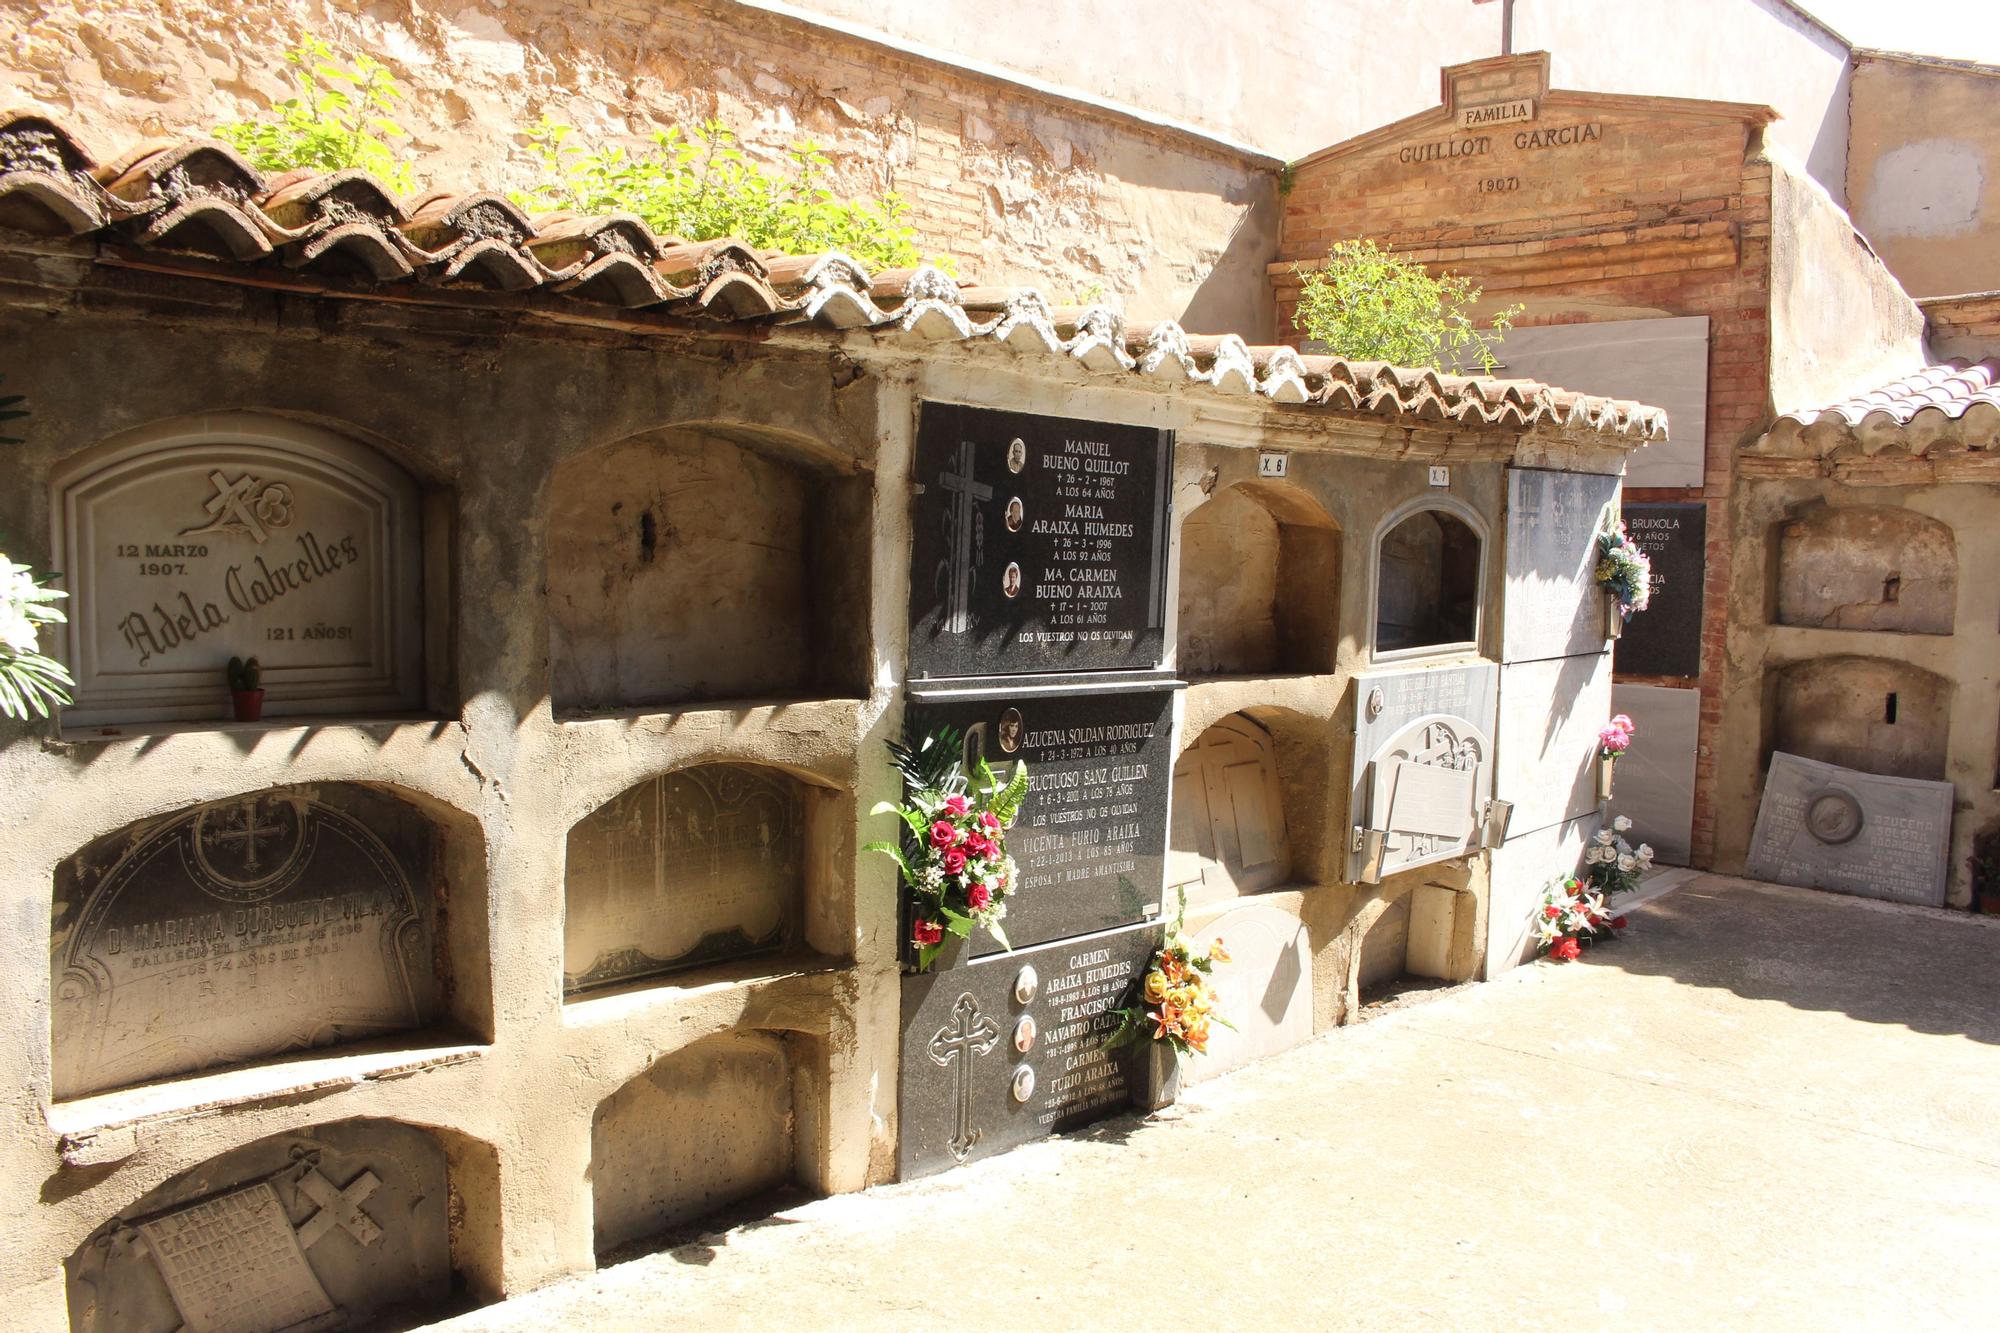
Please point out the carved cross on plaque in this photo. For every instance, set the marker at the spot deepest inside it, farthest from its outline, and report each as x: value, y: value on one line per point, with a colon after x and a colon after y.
x: 247, y: 834
x: 338, y: 1208
x: 966, y: 493
x: 970, y: 1033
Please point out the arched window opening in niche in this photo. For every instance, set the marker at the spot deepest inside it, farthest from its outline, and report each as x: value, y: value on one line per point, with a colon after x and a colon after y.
x: 1259, y: 584
x: 1427, y: 583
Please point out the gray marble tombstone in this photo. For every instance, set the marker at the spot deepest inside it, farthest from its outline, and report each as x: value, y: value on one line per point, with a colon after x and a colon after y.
x: 333, y: 1227
x: 1554, y: 605
x: 1423, y: 763
x: 1826, y: 827
x: 238, y: 930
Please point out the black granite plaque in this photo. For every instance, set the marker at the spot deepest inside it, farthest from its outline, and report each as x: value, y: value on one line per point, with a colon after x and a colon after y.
x: 1010, y: 1048
x: 1037, y: 544
x: 1090, y: 841
x: 1665, y: 638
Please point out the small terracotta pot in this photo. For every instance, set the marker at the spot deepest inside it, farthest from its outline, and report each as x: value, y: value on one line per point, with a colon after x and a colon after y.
x: 247, y: 705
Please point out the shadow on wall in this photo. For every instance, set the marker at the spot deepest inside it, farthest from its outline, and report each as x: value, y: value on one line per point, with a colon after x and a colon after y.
x: 1236, y: 296
x: 1925, y: 971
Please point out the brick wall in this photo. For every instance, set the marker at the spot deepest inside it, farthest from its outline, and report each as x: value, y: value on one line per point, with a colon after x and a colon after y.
x: 1599, y: 208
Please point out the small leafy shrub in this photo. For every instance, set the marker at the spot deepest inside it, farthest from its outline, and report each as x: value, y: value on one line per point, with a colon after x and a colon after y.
x: 705, y: 187
x: 1369, y: 305
x: 339, y: 119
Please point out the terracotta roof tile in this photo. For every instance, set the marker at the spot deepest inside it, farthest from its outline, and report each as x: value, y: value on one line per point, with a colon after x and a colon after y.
x: 1952, y: 405
x: 202, y: 198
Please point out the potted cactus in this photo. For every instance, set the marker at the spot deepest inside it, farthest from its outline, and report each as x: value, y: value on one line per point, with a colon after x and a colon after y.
x: 246, y: 689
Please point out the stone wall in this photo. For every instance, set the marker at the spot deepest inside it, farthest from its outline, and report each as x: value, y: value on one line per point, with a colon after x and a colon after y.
x: 1923, y: 170
x: 1007, y: 183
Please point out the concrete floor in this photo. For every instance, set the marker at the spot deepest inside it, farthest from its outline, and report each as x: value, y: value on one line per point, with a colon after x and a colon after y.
x: 1764, y: 1108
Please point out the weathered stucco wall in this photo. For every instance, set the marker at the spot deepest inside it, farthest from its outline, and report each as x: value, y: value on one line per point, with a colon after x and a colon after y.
x: 1839, y: 320
x: 1008, y: 184
x: 1923, y: 170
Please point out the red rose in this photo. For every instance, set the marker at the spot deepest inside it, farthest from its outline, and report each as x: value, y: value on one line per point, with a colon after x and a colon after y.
x: 954, y: 862
x: 1565, y: 948
x: 1552, y: 911
x: 943, y: 834
x: 957, y: 805
x: 927, y: 932
x: 992, y: 824
x: 977, y: 896
x: 1619, y: 923
x: 979, y: 846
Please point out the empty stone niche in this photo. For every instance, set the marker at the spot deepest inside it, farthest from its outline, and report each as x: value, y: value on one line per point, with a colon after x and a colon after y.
x: 694, y: 867
x: 721, y: 1121
x: 1260, y: 584
x: 337, y: 1226
x: 1871, y: 567
x: 1229, y: 831
x: 1864, y: 713
x: 241, y: 930
x: 1427, y: 582
x: 1385, y: 946
x: 688, y: 566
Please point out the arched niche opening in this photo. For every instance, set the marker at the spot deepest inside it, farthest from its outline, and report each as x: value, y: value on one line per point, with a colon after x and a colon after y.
x: 1866, y: 567
x: 694, y: 565
x: 699, y: 866
x: 238, y: 534
x: 725, y: 1121
x: 259, y: 927
x: 343, y: 1225
x: 1229, y: 831
x: 1260, y: 584
x: 1863, y: 713
x: 1428, y: 567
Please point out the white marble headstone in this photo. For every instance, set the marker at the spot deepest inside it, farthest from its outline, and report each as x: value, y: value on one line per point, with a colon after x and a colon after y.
x: 1265, y: 989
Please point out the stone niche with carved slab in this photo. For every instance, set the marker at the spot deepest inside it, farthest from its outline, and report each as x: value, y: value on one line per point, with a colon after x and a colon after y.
x: 697, y: 866
x: 334, y: 1227
x: 1423, y: 767
x: 240, y: 930
x: 237, y: 536
x: 1228, y: 824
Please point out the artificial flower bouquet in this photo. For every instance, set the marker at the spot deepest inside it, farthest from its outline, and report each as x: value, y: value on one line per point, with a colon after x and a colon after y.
x: 1624, y: 569
x: 1615, y: 737
x: 953, y: 852
x: 1613, y: 865
x: 1574, y: 915
x: 1178, y: 999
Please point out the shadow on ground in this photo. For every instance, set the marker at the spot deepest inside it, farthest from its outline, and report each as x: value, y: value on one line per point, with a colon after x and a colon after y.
x: 1925, y: 970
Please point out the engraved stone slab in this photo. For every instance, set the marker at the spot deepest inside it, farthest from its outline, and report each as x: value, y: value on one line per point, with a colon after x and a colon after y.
x: 1655, y: 786
x: 1091, y: 838
x: 1665, y: 638
x: 1265, y: 989
x: 329, y: 1227
x: 693, y: 867
x: 1554, y: 605
x: 1229, y: 832
x: 1826, y: 827
x: 238, y: 930
x: 1426, y: 799
x: 1441, y: 718
x: 1550, y: 714
x: 1038, y: 544
x: 234, y: 1265
x: 977, y: 1080
x: 241, y: 537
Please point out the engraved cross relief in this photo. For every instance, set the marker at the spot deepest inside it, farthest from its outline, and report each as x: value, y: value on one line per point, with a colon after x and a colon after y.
x: 244, y: 505
x: 960, y: 522
x: 248, y: 836
x: 338, y: 1208
x: 970, y: 1033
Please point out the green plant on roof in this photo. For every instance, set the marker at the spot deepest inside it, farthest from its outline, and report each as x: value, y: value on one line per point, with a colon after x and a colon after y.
x: 339, y: 119
x: 703, y: 187
x: 1369, y: 305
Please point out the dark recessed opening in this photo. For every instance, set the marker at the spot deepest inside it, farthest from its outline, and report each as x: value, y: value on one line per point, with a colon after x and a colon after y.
x: 1892, y: 588
x: 1889, y: 709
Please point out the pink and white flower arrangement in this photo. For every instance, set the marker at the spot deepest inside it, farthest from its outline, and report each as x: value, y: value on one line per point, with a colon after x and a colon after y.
x: 1573, y: 916
x: 1615, y: 737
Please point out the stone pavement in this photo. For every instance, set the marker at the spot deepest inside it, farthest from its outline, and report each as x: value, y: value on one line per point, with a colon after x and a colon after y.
x: 1764, y: 1108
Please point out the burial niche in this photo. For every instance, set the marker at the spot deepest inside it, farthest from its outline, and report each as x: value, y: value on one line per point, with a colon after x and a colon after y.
x: 1867, y: 567
x: 239, y: 536
x: 335, y: 1226
x: 1427, y: 569
x: 711, y: 1125
x: 688, y: 565
x: 1229, y: 832
x: 697, y: 866
x: 239, y: 930
x: 1864, y: 713
x: 1260, y: 584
